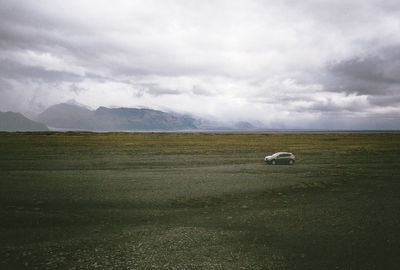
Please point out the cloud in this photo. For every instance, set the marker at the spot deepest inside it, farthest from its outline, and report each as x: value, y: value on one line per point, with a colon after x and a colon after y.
x: 200, y: 91
x: 282, y: 63
x: 376, y: 74
x: 155, y: 90
x: 385, y: 101
x: 76, y: 89
x: 17, y: 71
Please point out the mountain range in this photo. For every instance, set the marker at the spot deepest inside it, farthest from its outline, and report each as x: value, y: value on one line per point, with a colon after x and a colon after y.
x: 74, y: 117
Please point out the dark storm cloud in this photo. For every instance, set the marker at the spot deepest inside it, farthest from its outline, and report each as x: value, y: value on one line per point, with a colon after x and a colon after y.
x: 25, y: 27
x: 158, y: 91
x: 33, y: 27
x: 19, y: 27
x: 13, y: 70
x: 384, y: 101
x: 377, y: 74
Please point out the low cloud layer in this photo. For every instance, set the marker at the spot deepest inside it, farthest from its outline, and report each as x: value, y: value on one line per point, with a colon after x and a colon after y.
x: 308, y: 64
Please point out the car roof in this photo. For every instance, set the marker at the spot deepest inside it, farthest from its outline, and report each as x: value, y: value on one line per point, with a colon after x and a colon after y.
x: 278, y: 153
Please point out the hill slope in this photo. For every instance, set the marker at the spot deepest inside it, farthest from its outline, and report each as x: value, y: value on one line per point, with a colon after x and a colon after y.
x: 11, y: 121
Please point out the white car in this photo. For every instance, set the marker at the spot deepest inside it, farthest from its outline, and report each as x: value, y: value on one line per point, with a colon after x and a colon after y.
x: 280, y: 158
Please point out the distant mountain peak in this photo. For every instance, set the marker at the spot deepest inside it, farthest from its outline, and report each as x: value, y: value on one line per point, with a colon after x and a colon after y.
x: 75, y: 103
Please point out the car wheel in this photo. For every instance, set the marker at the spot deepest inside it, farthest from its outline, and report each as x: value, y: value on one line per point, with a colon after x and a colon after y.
x: 273, y: 162
x: 291, y: 162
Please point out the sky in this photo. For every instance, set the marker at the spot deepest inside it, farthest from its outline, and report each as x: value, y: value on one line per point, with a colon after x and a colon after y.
x: 307, y: 64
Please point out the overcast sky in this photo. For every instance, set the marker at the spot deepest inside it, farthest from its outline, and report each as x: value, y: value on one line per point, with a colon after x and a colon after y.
x: 284, y: 64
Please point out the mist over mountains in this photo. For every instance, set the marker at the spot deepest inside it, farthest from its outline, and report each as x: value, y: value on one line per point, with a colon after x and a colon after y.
x: 73, y: 116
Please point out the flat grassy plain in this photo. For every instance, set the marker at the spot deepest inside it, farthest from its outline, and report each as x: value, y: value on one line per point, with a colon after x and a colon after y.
x: 81, y: 200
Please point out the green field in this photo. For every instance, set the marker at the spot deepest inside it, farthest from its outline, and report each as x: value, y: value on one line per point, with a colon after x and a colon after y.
x: 80, y: 200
